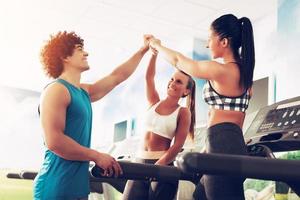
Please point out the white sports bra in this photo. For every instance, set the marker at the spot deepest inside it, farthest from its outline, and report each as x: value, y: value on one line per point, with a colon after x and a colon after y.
x: 163, y: 125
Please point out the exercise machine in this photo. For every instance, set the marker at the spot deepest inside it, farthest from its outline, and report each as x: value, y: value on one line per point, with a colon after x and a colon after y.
x: 275, y: 128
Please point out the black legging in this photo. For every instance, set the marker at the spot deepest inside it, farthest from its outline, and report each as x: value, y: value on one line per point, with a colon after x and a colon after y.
x: 150, y: 190
x: 226, y: 138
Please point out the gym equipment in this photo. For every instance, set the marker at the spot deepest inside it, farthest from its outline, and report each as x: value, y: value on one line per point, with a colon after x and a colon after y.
x: 148, y: 172
x: 133, y: 171
x: 275, y: 128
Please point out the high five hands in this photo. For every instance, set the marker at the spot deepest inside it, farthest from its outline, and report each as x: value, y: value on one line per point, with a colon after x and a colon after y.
x: 152, y: 42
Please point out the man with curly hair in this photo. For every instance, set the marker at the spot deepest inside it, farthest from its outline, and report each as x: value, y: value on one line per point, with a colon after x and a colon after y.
x: 66, y: 118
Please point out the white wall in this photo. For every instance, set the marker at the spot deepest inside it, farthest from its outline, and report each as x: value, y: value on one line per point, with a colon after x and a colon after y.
x: 277, y: 52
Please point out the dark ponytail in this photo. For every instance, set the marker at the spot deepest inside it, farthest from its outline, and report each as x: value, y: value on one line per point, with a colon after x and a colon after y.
x: 247, y: 52
x: 239, y: 33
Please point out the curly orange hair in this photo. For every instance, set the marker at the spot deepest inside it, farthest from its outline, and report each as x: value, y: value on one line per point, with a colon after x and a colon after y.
x: 57, y: 48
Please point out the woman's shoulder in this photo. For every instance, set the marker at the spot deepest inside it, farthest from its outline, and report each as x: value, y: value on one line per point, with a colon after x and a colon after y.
x: 229, y: 72
x: 184, y: 111
x: 153, y: 104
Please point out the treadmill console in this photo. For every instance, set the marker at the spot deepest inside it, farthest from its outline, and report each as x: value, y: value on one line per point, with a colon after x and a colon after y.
x: 283, y: 117
x: 277, y: 126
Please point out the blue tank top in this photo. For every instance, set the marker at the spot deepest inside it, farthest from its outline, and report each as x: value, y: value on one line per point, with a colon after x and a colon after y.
x: 62, y: 179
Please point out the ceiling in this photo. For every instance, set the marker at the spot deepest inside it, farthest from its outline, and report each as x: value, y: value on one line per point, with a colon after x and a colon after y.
x: 110, y: 26
x: 121, y: 22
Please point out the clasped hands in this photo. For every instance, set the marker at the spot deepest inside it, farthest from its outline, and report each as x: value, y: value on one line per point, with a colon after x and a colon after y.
x: 151, y: 42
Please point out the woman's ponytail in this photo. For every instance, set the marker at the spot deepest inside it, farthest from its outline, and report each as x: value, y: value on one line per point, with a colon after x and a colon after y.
x: 247, y: 52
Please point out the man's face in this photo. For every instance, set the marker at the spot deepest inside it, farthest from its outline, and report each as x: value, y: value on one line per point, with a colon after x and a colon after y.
x: 79, y: 58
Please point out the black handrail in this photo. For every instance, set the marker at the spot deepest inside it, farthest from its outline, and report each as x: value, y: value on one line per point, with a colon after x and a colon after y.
x: 242, y: 166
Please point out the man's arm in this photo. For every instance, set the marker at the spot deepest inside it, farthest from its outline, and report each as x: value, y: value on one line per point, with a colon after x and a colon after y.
x: 54, y: 102
x: 120, y: 74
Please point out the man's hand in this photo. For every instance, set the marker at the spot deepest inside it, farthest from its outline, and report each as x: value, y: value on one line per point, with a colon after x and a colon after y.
x: 108, y: 164
x: 147, y: 38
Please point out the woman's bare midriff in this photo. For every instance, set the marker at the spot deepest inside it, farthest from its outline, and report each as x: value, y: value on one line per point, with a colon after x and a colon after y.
x: 154, y: 142
x: 219, y: 116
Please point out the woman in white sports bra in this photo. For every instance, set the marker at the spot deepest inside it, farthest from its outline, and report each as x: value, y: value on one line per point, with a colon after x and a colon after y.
x: 227, y: 92
x: 165, y: 120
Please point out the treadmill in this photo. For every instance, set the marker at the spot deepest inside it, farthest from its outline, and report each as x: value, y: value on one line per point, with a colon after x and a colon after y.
x: 275, y: 128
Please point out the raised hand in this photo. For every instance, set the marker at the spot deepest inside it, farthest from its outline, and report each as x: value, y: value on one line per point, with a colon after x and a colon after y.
x: 154, y: 42
x: 147, y: 38
x: 153, y: 51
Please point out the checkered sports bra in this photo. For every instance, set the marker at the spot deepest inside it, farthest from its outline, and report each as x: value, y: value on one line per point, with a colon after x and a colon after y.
x: 221, y: 102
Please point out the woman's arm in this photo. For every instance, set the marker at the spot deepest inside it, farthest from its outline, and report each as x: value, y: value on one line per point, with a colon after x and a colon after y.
x: 180, y: 136
x: 151, y: 92
x: 206, y: 69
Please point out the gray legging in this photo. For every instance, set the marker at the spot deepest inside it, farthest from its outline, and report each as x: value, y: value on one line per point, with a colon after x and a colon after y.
x: 226, y: 138
x: 151, y: 190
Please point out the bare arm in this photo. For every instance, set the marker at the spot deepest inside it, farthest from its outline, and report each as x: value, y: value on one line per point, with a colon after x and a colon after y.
x: 180, y: 136
x: 53, y: 106
x: 210, y: 70
x: 120, y: 74
x: 152, y: 95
